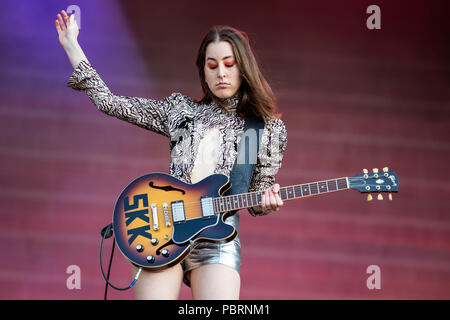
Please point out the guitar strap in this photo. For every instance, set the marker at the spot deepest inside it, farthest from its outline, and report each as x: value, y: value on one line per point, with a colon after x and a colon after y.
x: 242, y: 172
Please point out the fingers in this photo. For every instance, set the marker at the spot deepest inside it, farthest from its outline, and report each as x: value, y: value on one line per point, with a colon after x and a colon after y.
x: 270, y: 199
x: 60, y: 23
x: 264, y: 201
x: 58, y: 28
x: 276, y: 190
x: 63, y: 20
x: 65, y: 16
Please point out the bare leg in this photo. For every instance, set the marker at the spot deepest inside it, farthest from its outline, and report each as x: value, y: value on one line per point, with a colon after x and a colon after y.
x: 215, y: 282
x: 160, y: 285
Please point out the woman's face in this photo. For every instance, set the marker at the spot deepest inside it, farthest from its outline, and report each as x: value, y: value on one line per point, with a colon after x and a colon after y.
x: 221, y: 71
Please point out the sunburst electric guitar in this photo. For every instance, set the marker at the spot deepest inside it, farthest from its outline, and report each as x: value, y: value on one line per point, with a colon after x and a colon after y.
x: 159, y: 219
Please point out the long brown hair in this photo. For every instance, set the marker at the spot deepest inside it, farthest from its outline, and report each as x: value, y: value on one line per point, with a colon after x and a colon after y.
x: 257, y: 98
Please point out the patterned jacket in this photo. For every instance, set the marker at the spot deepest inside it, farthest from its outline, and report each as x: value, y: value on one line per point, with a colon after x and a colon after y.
x: 204, y: 138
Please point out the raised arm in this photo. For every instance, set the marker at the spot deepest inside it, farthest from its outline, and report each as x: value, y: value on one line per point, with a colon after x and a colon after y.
x: 147, y: 113
x: 67, y: 29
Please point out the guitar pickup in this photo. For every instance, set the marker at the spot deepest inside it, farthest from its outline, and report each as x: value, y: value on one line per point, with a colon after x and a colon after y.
x: 155, y: 217
x: 178, y: 215
x: 207, y: 207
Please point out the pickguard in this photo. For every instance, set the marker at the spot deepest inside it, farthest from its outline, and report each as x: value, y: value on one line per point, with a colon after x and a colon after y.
x: 186, y: 230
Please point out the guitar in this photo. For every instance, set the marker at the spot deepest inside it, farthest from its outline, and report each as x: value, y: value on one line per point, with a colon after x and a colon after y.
x: 159, y: 219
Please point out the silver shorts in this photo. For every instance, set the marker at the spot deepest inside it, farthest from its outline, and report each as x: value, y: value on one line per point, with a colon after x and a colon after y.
x: 228, y: 253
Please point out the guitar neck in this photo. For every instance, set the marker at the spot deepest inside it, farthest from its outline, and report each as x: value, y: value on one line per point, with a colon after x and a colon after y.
x: 251, y: 199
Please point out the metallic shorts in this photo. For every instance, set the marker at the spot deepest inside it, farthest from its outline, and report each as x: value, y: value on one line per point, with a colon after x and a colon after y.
x: 228, y: 253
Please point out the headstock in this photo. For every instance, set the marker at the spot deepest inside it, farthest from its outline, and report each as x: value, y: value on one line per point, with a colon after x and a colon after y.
x: 379, y: 182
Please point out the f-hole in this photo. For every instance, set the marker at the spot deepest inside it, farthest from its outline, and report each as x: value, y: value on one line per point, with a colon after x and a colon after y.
x: 166, y: 188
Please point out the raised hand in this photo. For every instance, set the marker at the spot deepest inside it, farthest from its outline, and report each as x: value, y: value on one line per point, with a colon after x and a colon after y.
x: 68, y: 33
x: 67, y: 29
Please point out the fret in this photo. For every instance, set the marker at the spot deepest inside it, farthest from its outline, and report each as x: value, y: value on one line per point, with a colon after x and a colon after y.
x: 323, y: 187
x: 305, y: 190
x: 313, y: 188
x: 293, y: 191
x: 236, y: 202
x: 290, y: 192
x: 286, y: 193
x: 342, y: 184
x: 283, y: 193
x: 331, y: 185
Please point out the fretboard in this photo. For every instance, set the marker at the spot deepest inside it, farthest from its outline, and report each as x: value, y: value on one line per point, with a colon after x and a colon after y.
x: 251, y: 199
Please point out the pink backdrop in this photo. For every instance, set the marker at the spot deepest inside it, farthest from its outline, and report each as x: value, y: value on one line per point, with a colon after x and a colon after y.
x: 351, y: 98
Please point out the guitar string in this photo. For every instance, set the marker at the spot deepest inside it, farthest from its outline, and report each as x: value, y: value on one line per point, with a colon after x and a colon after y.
x: 195, y: 204
x: 258, y: 194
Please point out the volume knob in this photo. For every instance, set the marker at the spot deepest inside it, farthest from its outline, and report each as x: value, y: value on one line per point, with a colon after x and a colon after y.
x: 150, y: 259
x: 165, y: 252
x: 139, y: 248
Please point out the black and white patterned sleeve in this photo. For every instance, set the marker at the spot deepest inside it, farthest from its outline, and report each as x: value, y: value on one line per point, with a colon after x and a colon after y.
x: 273, y: 144
x: 146, y: 113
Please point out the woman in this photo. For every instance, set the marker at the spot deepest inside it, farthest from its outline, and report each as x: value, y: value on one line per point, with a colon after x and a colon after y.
x: 211, y: 130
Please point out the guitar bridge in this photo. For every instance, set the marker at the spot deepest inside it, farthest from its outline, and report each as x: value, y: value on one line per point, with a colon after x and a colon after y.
x: 166, y: 214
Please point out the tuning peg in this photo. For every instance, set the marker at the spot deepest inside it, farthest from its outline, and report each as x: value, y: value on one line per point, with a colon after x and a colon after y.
x: 375, y: 170
x: 380, y: 196
x: 365, y: 171
x: 369, y: 197
x: 385, y: 169
x: 390, y: 196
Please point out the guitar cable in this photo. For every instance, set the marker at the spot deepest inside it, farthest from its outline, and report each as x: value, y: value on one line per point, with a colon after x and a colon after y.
x: 106, y: 233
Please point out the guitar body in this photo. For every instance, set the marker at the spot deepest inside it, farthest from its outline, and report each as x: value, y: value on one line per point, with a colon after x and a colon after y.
x: 159, y: 219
